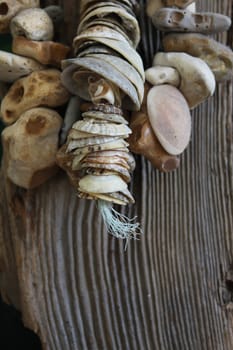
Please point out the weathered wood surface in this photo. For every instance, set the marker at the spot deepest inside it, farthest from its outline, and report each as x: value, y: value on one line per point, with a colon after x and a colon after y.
x: 78, y: 288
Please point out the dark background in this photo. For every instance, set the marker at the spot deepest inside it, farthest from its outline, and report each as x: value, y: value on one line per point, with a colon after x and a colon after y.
x: 13, y: 335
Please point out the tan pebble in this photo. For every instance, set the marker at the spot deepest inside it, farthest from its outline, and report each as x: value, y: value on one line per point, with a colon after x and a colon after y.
x: 30, y: 147
x: 39, y: 88
x: 13, y: 67
x: 170, y: 118
x: 162, y: 75
x: 197, y: 79
x: 169, y: 19
x: 178, y: 3
x: 9, y: 9
x: 45, y: 52
x: 144, y: 141
x: 34, y: 24
x: 218, y: 56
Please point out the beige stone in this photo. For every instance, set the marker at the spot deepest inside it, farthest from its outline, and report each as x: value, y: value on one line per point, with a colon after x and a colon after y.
x: 34, y: 24
x: 154, y: 5
x: 170, y: 118
x: 9, y: 8
x: 143, y: 141
x: 45, y: 52
x: 169, y: 19
x: 197, y: 79
x: 42, y: 88
x: 218, y: 56
x: 13, y: 67
x: 162, y: 75
x: 30, y: 147
x: 178, y: 3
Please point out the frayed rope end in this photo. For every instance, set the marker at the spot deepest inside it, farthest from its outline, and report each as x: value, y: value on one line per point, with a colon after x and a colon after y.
x: 118, y: 225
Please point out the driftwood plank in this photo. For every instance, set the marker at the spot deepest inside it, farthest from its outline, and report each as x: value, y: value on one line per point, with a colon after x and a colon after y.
x: 77, y: 287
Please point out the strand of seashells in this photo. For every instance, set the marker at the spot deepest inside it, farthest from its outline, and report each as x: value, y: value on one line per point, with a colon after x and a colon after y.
x: 181, y: 78
x: 32, y: 92
x: 108, y: 73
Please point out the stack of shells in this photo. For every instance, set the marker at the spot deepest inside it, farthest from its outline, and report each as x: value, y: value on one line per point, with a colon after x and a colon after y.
x: 108, y: 73
x: 181, y: 78
x: 31, y: 77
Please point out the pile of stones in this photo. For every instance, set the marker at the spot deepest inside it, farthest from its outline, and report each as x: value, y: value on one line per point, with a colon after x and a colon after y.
x: 31, y: 79
x: 182, y: 77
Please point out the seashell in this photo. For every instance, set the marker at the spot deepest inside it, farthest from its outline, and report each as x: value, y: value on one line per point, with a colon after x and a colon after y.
x: 96, y: 32
x: 95, y: 140
x: 106, y: 160
x: 105, y: 108
x: 111, y: 153
x: 108, y: 129
x: 96, y: 48
x: 126, y: 69
x: 171, y: 121
x: 105, y: 197
x: 111, y: 24
x: 114, y: 118
x: 76, y: 135
x: 105, y: 70
x: 101, y: 184
x: 197, y: 80
x: 71, y: 115
x: 85, y: 5
x: 103, y: 90
x: 120, y: 15
x: 117, y: 144
x: 126, y: 51
x: 118, y: 169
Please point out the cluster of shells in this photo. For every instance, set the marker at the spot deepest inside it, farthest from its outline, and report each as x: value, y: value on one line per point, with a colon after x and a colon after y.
x: 108, y: 73
x: 182, y: 76
x: 31, y: 91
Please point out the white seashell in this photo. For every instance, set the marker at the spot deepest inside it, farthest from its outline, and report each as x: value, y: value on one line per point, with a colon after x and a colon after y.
x: 118, y: 169
x: 114, y: 118
x: 105, y: 70
x: 71, y: 115
x: 117, y: 144
x: 124, y: 49
x: 126, y: 69
x: 126, y: 20
x: 109, y: 129
x: 102, y: 184
x: 72, y: 145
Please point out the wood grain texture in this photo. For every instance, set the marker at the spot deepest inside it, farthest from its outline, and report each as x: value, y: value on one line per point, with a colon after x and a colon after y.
x: 173, y: 289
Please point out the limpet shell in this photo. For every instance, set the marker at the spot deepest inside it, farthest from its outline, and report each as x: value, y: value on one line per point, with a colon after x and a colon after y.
x: 102, y: 184
x: 105, y: 70
x: 95, y: 140
x: 120, y: 170
x: 109, y: 129
x: 114, y: 118
x: 117, y: 144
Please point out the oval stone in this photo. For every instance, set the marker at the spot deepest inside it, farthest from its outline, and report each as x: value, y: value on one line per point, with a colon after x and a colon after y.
x: 170, y: 117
